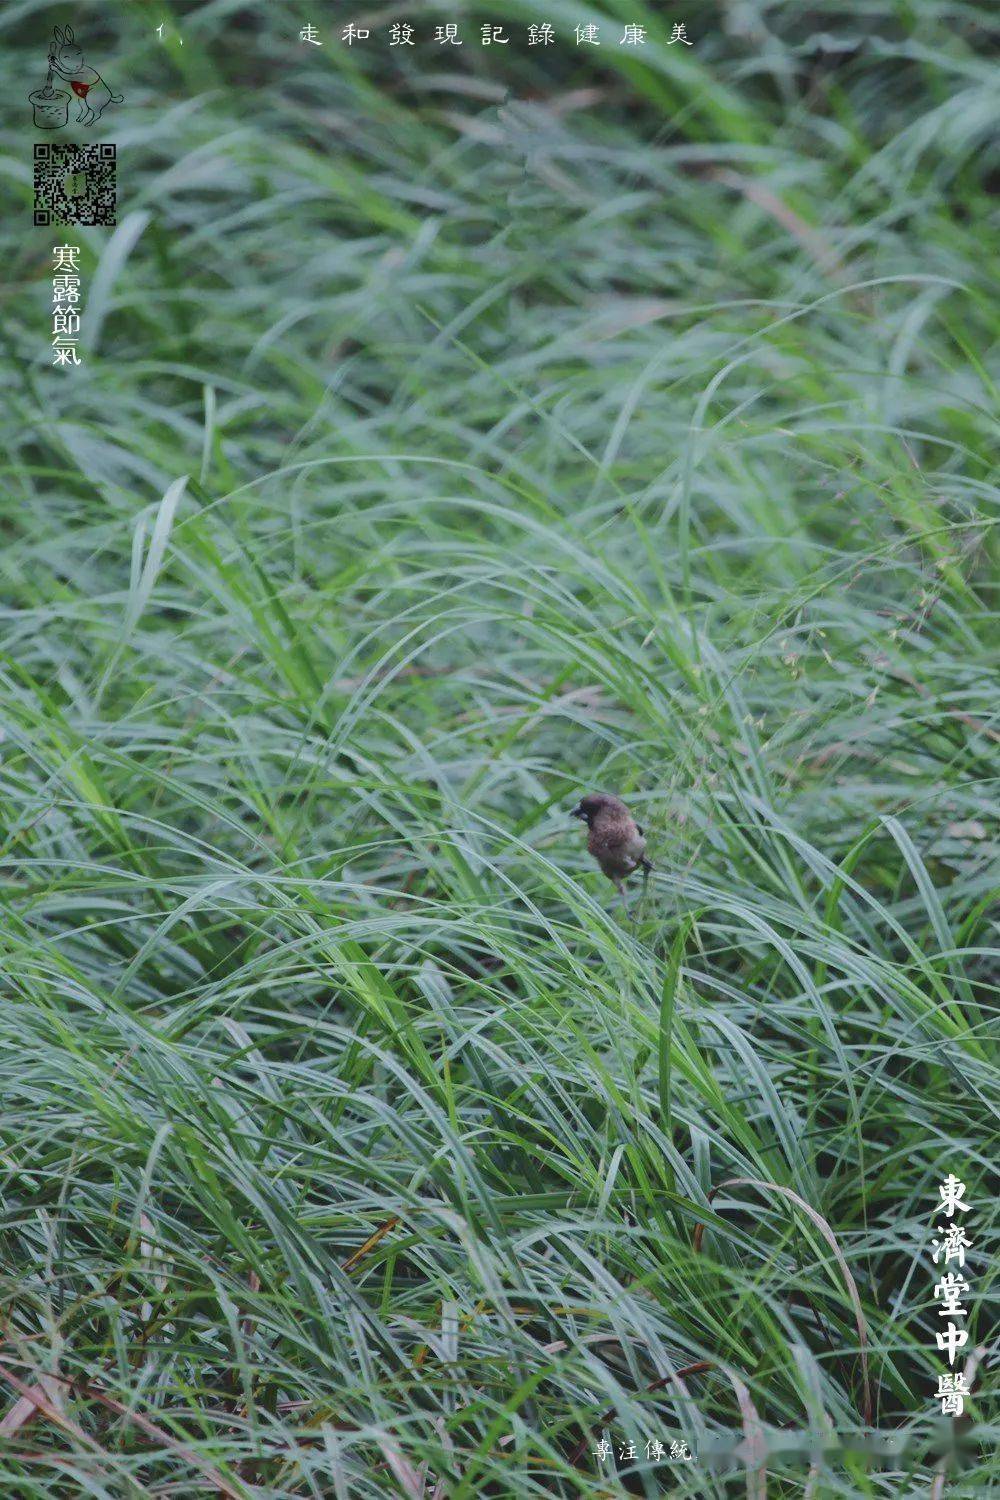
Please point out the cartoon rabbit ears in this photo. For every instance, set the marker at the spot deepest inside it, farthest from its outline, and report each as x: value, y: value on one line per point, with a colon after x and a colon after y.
x: 64, y: 36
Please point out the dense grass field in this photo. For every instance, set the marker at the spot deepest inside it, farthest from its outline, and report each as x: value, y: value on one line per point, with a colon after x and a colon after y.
x: 460, y: 431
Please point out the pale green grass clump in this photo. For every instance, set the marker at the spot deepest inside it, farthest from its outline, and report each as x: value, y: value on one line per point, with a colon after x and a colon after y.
x: 456, y: 434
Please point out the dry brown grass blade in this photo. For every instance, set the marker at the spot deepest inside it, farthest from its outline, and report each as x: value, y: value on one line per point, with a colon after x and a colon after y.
x: 248, y: 1323
x: 776, y: 208
x: 41, y: 1403
x: 162, y: 1436
x: 755, y: 1449
x: 406, y: 1476
x: 370, y: 1243
x: 953, y: 713
x: 23, y: 1410
x: 95, y: 1393
x: 829, y: 1236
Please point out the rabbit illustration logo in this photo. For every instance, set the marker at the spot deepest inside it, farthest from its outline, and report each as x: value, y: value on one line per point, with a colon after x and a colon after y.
x: 66, y: 58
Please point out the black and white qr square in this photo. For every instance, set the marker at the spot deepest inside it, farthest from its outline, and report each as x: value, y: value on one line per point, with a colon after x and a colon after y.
x: 75, y: 184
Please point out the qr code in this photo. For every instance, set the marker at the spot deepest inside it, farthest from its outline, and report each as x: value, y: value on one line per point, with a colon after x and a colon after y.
x: 75, y: 184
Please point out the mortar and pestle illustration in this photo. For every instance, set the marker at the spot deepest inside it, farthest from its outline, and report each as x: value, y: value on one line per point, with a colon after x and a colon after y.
x: 51, y: 106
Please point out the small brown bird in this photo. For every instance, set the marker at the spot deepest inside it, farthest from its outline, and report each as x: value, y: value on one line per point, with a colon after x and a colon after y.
x: 615, y: 839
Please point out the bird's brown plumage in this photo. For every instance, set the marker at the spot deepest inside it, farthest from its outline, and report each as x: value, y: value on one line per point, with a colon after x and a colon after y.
x: 615, y: 839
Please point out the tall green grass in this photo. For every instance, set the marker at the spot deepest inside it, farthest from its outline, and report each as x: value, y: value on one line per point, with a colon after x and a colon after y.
x: 458, y: 433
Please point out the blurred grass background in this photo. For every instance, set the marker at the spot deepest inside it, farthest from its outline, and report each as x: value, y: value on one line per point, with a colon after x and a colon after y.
x: 460, y: 430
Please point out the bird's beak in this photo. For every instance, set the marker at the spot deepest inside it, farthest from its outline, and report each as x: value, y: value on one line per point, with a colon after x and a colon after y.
x: 578, y: 812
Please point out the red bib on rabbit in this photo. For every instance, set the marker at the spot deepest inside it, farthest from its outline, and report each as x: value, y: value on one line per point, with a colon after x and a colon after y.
x: 81, y: 89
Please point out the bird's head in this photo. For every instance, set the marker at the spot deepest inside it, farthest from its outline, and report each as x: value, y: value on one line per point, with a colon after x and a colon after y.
x: 595, y: 802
